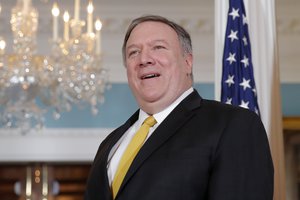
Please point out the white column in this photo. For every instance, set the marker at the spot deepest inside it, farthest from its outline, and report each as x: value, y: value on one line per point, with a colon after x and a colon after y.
x: 221, y: 9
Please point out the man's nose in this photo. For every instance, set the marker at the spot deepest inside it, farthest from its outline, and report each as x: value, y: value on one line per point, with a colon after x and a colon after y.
x: 146, y: 58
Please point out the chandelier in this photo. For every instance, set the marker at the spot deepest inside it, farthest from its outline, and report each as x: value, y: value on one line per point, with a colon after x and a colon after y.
x: 71, y: 75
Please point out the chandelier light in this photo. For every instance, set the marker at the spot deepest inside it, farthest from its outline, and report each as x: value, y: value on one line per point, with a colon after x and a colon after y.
x: 71, y: 75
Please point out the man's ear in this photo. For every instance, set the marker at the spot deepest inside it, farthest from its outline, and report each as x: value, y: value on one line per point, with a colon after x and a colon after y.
x: 189, y: 62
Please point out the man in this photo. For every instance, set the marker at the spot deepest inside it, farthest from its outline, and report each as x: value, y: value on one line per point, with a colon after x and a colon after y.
x: 197, y: 150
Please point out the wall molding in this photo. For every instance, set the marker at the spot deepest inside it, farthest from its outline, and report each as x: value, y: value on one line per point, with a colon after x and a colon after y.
x: 51, y: 145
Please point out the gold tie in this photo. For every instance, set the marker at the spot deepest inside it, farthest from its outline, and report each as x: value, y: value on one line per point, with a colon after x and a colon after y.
x: 132, y: 149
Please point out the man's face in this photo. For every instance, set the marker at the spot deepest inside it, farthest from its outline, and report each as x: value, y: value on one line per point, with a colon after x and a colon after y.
x: 157, y: 68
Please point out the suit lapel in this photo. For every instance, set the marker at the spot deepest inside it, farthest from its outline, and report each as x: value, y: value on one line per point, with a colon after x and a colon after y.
x: 177, y: 118
x: 101, y: 161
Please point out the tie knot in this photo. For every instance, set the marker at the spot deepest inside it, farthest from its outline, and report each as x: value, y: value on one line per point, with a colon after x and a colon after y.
x: 150, y: 121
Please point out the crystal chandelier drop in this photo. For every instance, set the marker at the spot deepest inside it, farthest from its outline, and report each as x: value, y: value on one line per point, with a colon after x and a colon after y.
x: 31, y: 84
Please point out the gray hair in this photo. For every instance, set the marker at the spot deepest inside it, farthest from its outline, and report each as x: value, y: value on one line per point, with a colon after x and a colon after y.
x: 183, y: 36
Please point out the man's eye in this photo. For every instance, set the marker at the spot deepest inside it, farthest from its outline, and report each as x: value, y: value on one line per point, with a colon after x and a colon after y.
x: 159, y: 47
x: 132, y: 53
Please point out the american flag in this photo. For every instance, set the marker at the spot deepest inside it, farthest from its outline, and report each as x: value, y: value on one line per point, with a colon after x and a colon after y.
x: 238, y: 85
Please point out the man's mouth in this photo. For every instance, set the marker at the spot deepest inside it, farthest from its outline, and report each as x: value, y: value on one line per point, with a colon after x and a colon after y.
x: 148, y: 76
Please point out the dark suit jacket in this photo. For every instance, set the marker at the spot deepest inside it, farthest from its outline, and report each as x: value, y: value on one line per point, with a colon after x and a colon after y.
x: 203, y: 150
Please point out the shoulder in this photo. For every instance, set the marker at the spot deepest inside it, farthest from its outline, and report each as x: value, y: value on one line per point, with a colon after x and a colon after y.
x: 226, y: 117
x: 217, y: 108
x: 233, y: 126
x: 215, y: 112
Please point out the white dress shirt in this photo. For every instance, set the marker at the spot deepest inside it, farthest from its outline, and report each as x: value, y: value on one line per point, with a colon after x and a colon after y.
x: 120, y: 147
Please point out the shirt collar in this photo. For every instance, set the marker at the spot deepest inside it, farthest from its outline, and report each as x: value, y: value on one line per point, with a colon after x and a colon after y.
x: 160, y: 116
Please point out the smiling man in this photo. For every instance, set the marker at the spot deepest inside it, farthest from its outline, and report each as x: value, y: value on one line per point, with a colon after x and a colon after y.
x: 178, y: 146
x: 158, y: 69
